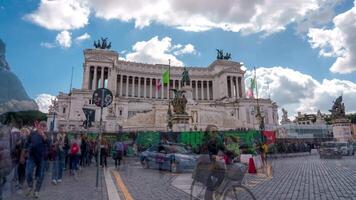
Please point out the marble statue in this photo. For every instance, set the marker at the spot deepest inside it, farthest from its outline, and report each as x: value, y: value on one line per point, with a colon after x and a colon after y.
x: 338, y: 109
x: 185, y: 77
x: 102, y: 44
x: 285, y: 118
x: 179, y: 102
x: 220, y: 55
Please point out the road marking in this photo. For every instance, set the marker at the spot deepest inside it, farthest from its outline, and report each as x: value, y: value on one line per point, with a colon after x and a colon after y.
x: 121, y: 185
x: 110, y: 186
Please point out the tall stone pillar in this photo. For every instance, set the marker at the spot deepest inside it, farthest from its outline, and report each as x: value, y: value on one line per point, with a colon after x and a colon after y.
x: 117, y: 85
x: 208, y: 89
x: 127, y: 85
x: 144, y: 87
x: 95, y: 84
x: 232, y: 87
x: 151, y: 80
x: 133, y: 86
x: 196, y: 90
x: 121, y: 82
x: 202, y: 89
x: 102, y: 78
x: 86, y: 76
x: 139, y: 87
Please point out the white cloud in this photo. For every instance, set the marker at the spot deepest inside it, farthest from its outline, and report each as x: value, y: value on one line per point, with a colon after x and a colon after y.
x: 338, y: 42
x: 83, y: 37
x: 187, y: 49
x: 296, y: 91
x: 60, y: 14
x: 157, y: 51
x: 44, y: 101
x: 267, y: 16
x: 64, y: 39
x: 48, y: 45
x: 231, y: 15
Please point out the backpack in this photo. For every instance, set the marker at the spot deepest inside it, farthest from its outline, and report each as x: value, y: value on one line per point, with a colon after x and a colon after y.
x: 74, y: 149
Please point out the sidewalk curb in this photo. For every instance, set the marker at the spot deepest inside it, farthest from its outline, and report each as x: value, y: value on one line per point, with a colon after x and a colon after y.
x: 113, y: 193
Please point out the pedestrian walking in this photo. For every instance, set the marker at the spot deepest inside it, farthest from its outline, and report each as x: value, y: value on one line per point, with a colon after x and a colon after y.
x: 118, y: 152
x: 37, y: 147
x: 59, y: 157
x: 22, y: 156
x: 104, y: 151
x: 75, y: 155
x: 5, y: 158
x: 84, y: 147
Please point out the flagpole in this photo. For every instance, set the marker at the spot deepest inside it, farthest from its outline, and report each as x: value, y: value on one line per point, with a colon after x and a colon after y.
x: 169, y: 103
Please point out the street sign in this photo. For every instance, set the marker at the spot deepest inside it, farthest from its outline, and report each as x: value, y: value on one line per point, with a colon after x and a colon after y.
x: 102, y: 97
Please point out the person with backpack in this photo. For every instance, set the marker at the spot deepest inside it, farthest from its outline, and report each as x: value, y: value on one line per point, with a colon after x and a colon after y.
x: 118, y: 152
x: 74, y: 153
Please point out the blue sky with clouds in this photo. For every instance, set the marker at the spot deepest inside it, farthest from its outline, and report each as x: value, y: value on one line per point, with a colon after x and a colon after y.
x: 305, y: 50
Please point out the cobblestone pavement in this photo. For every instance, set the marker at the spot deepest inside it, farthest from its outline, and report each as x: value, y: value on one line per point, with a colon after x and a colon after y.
x: 149, y: 184
x: 300, y: 178
x: 70, y: 189
x: 310, y: 178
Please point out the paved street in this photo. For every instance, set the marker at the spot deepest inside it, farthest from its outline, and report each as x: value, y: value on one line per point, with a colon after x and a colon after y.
x: 305, y: 177
x: 82, y: 189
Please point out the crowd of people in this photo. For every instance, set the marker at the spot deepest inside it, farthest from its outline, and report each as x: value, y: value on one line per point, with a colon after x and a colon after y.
x: 34, y: 151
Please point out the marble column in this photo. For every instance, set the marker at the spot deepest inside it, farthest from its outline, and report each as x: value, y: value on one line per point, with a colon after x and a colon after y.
x: 196, y: 90
x: 208, y: 89
x: 232, y: 87
x: 102, y: 77
x: 139, y: 87
x: 151, y: 80
x: 117, y: 85
x: 202, y: 89
x: 236, y: 88
x: 133, y: 86
x: 127, y: 85
x: 121, y: 82
x: 95, y: 81
x: 144, y: 87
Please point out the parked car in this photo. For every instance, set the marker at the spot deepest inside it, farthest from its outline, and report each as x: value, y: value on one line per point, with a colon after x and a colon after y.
x: 346, y: 148
x: 330, y: 150
x: 353, y: 148
x: 172, y: 157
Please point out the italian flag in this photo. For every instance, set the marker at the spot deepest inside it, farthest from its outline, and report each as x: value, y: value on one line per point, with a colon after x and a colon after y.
x: 252, y: 87
x: 164, y: 80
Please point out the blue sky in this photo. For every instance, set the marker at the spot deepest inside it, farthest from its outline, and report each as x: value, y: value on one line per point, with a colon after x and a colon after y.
x: 303, y: 39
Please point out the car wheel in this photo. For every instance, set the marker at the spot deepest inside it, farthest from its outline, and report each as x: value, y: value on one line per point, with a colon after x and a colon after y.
x: 145, y: 164
x: 174, y: 167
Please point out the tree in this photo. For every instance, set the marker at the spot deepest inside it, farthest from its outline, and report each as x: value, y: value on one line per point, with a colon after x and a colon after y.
x: 23, y: 118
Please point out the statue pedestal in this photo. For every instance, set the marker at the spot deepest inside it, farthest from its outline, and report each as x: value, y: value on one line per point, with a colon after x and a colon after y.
x: 180, y: 122
x: 342, y: 129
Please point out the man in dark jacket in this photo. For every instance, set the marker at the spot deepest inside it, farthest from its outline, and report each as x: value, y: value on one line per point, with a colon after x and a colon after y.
x: 5, y: 159
x: 37, y: 147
